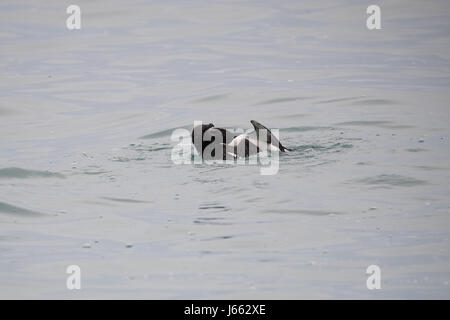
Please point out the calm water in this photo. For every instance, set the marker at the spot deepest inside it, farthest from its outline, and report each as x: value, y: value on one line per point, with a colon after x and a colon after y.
x: 86, y: 176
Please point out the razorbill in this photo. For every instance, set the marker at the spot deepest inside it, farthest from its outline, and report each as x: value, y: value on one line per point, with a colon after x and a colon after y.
x: 207, y: 139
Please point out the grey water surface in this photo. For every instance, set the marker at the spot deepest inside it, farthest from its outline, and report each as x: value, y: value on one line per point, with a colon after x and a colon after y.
x: 86, y: 176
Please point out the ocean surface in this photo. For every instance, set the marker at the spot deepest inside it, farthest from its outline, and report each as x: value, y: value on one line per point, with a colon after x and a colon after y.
x: 87, y: 177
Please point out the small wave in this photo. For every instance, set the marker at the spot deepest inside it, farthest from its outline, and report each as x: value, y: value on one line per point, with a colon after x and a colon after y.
x: 211, y: 98
x: 94, y: 173
x: 378, y: 123
x: 212, y: 214
x: 19, y: 173
x: 317, y: 147
x: 125, y: 200
x: 163, y: 133
x: 212, y: 221
x: 281, y: 100
x: 126, y: 159
x: 152, y: 149
x: 431, y: 168
x: 218, y: 238
x: 214, y: 206
x: 374, y: 102
x: 340, y: 100
x: 13, y: 210
x: 391, y: 180
x: 303, y: 212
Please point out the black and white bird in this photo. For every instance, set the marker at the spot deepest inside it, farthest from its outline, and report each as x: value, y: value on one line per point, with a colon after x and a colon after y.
x: 209, y: 140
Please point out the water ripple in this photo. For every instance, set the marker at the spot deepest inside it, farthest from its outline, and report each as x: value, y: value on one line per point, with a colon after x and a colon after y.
x: 14, y: 210
x: 391, y: 180
x: 19, y: 173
